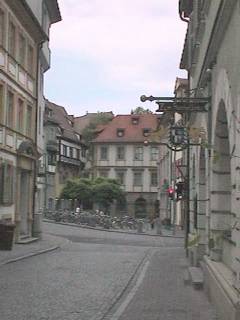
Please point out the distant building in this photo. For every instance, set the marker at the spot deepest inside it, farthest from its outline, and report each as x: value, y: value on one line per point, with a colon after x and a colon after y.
x: 122, y: 150
x: 24, y: 57
x: 64, y: 157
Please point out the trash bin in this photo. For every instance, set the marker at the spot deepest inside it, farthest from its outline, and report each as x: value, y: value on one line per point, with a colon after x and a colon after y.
x: 6, y: 235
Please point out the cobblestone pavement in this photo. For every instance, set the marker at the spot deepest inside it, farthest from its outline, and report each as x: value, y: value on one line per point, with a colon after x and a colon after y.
x: 104, y: 237
x: 83, y: 279
x: 163, y: 295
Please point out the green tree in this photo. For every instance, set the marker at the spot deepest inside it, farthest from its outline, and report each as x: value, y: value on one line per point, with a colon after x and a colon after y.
x: 90, y: 132
x: 101, y: 191
x: 105, y: 191
x: 80, y: 189
x: 140, y: 110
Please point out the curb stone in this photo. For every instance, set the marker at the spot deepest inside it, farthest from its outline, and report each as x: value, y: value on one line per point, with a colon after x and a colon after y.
x: 32, y: 254
x: 106, y: 311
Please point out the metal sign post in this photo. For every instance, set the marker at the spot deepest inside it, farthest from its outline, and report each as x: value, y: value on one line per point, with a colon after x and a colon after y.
x: 179, y: 137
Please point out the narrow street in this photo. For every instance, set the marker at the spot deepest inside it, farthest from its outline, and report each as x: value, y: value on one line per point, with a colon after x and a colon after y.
x: 101, y: 275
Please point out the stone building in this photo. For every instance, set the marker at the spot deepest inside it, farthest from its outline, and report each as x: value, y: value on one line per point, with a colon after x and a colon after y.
x: 123, y: 150
x: 64, y: 156
x: 24, y: 56
x: 211, y: 57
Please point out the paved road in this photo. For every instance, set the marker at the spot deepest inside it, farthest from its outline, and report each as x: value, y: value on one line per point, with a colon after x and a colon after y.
x: 92, y: 272
x: 81, y: 235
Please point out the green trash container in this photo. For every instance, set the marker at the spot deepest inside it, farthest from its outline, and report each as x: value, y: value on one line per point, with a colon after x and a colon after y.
x: 6, y: 236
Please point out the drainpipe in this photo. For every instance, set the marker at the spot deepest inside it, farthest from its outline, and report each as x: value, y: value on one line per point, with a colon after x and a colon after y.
x: 36, y: 220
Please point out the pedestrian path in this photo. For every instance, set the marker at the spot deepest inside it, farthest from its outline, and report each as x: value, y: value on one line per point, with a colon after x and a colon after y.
x: 21, y: 251
x: 160, y: 293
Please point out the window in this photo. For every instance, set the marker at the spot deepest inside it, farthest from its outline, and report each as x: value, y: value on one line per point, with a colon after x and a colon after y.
x: 70, y: 152
x: 120, y: 176
x: 137, y: 178
x: 83, y: 152
x: 49, y: 112
x: 103, y: 153
x: 77, y: 154
x: 154, y: 153
x: 2, y: 27
x: 138, y: 153
x: 29, y: 121
x: 120, y: 132
x: 22, y: 49
x: 120, y: 153
x: 74, y: 153
x: 64, y: 150
x: 78, y: 136
x: 10, y: 109
x: 20, y: 115
x: 146, y: 132
x: 135, y: 120
x: 30, y: 59
x: 1, y: 104
x: 7, y: 192
x: 12, y: 39
x: 52, y: 159
x: 154, y: 178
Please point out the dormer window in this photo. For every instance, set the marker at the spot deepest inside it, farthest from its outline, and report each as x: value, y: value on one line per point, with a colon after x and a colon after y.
x: 49, y: 112
x: 135, y: 120
x: 78, y: 136
x: 120, y: 132
x: 146, y: 132
x: 70, y: 122
x: 60, y: 131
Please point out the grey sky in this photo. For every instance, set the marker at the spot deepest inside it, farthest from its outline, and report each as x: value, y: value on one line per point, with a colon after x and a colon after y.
x: 107, y: 53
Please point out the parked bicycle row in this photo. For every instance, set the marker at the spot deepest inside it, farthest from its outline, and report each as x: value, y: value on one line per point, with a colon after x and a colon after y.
x: 95, y: 219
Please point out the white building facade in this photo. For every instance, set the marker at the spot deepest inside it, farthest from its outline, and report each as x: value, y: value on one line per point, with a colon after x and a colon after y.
x: 123, y: 151
x: 211, y: 57
x: 21, y: 38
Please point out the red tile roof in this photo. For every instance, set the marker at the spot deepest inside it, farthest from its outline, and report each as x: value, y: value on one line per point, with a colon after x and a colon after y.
x: 132, y: 132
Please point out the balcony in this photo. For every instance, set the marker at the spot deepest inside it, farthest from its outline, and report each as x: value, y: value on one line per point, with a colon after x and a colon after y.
x: 71, y: 161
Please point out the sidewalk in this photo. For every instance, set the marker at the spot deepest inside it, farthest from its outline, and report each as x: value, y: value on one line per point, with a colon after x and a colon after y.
x: 147, y: 231
x: 160, y: 293
x: 22, y: 251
